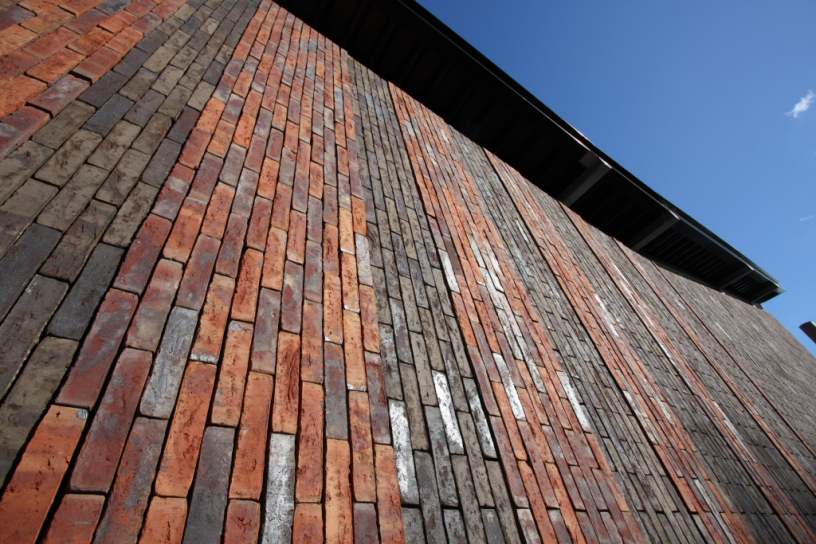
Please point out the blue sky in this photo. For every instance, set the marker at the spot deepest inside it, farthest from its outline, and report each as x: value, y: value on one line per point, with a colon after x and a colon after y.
x: 708, y: 103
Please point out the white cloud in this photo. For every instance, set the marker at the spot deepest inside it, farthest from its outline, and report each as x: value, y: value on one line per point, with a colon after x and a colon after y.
x: 803, y: 105
x: 807, y: 218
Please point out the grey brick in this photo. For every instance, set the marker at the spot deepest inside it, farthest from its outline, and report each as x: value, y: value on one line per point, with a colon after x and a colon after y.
x: 209, y: 501
x: 61, y: 127
x: 152, y: 41
x: 505, y: 512
x: 168, y: 79
x: 19, y: 165
x: 114, y: 145
x: 131, y: 62
x: 152, y: 135
x: 280, y: 489
x: 73, y: 198
x: 69, y: 257
x: 162, y: 162
x: 101, y: 91
x: 108, y: 115
x: 76, y: 311
x: 24, y: 323
x: 439, y: 447
x: 455, y: 527
x: 123, y: 178
x: 412, y: 524
x: 20, y: 210
x: 144, y: 109
x: 175, y: 101
x: 68, y: 158
x: 130, y: 215
x: 429, y: 499
x: 467, y: 494
x: 138, y: 84
x: 22, y: 262
x: 406, y: 472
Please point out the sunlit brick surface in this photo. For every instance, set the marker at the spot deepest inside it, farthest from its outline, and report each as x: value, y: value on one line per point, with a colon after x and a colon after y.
x: 252, y: 292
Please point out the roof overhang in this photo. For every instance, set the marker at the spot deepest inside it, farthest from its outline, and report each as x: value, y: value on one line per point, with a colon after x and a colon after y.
x: 403, y: 43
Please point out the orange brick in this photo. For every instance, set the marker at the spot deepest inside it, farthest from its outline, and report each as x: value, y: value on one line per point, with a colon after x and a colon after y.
x: 186, y: 430
x: 33, y: 486
x: 311, y: 368
x: 280, y: 206
x: 242, y: 523
x: 226, y: 408
x: 91, y: 41
x: 55, y: 66
x: 353, y: 351
x: 125, y: 40
x: 316, y: 180
x: 309, y: 481
x: 221, y: 138
x: 287, y: 385
x: 246, y: 292
x: 164, y: 521
x: 368, y: 317
x: 351, y: 294
x: 346, y: 231
x: 15, y: 93
x: 15, y: 37
x: 269, y: 178
x: 388, y: 495
x: 358, y: 215
x: 339, y: 515
x: 248, y: 472
x: 78, y: 7
x: 76, y: 519
x: 332, y: 309
x: 98, y: 64
x: 259, y: 224
x: 331, y: 259
x: 296, y: 246
x: 210, y: 115
x: 47, y: 21
x: 185, y: 231
x: 243, y: 131
x: 207, y: 345
x: 195, y: 147
x: 118, y: 22
x: 274, y: 259
x: 537, y: 505
x: 215, y: 220
x: 308, y: 524
x: 15, y: 64
x: 51, y: 43
x: 361, y: 447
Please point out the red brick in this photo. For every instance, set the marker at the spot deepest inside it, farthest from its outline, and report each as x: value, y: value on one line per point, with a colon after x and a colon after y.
x: 213, y: 322
x: 233, y: 165
x: 173, y: 191
x: 96, y: 465
x: 230, y: 255
x: 78, y: 7
x: 15, y: 93
x: 26, y: 120
x: 88, y: 374
x: 537, y: 505
x: 197, y: 274
x: 312, y: 339
x: 368, y: 318
x: 33, y: 486
x: 185, y: 231
x: 186, y: 430
x: 274, y: 145
x: 269, y: 178
x: 51, y: 43
x: 296, y: 247
x: 118, y: 22
x: 15, y: 37
x: 358, y: 215
x: 87, y: 21
x: 243, y: 130
x: 351, y: 294
x: 259, y: 224
x: 514, y: 482
x: 147, y: 23
x: 285, y: 410
x: 292, y: 297
x: 195, y: 147
x: 226, y: 408
x: 218, y: 210
x: 255, y: 153
x: 90, y: 42
x: 388, y: 495
x: 353, y: 350
x: 143, y: 252
x: 331, y: 258
x: 15, y: 64
x: 165, y: 10
x: 361, y: 447
x: 148, y: 323
x: 99, y: 63
x: 316, y: 180
x: 339, y: 515
x: 248, y: 472
x: 210, y: 115
x: 246, y: 293
x: 125, y: 40
x: 309, y: 481
x: 280, y: 207
x: 308, y: 524
x: 59, y: 95
x: 332, y: 309
x: 127, y: 502
x: 75, y: 519
x: 274, y: 259
x: 243, y: 522
x: 205, y: 178
x: 47, y: 21
x: 346, y: 231
x: 221, y: 138
x: 164, y: 521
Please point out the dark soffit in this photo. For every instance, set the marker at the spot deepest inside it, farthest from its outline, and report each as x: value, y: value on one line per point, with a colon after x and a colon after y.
x: 403, y: 43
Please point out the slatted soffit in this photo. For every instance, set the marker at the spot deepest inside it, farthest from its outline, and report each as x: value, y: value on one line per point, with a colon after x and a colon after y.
x: 405, y: 44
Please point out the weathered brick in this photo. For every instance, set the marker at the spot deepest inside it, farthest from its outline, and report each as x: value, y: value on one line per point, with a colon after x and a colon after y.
x: 160, y: 394
x: 185, y: 231
x: 143, y: 252
x: 98, y: 350
x: 218, y: 210
x: 75, y: 519
x: 123, y: 178
x: 280, y: 489
x: 17, y: 92
x: 152, y: 134
x: 246, y: 292
x: 232, y: 376
x: 96, y: 465
x: 172, y: 192
x: 309, y: 481
x: 59, y: 95
x: 96, y: 65
x: 144, y: 109
x: 273, y: 269
x: 130, y: 215
x: 57, y: 131
x: 287, y: 386
x: 29, y: 398
x: 243, y: 522
x: 18, y: 166
x: 292, y: 297
x: 34, y: 484
x: 339, y: 514
x: 229, y: 256
x: 162, y: 162
x: 186, y: 430
x: 197, y: 274
x: 164, y: 521
x: 61, y: 212
x: 62, y: 165
x: 308, y: 523
x: 207, y: 346
x: 101, y: 91
x: 259, y: 224
x: 388, y: 495
x: 145, y: 331
x: 123, y: 516
x: 22, y: 261
x: 247, y: 475
x: 353, y: 350
x: 108, y: 115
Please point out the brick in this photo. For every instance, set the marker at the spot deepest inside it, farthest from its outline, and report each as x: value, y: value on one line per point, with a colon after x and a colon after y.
x: 65, y: 162
x: 292, y: 297
x: 339, y: 515
x: 313, y: 273
x: 143, y: 252
x: 207, y: 346
x: 12, y: 15
x: 160, y: 394
x: 368, y: 317
x: 125, y: 40
x: 194, y: 148
x: 162, y: 162
x: 245, y: 193
x: 309, y: 481
x: 118, y: 140
x: 186, y: 431
x: 126, y: 506
x: 287, y: 384
x: 246, y: 293
x: 86, y: 21
x: 96, y: 65
x: 59, y: 129
x: 15, y: 93
x: 230, y: 255
x: 152, y: 134
x: 96, y: 465
x: 72, y: 200
x: 308, y: 524
x: 148, y: 323
x: 332, y: 309
x: 185, y: 231
x: 215, y: 220
x: 232, y: 165
x: 362, y: 450
x: 280, y: 207
x: 28, y: 399
x: 247, y: 475
x: 101, y: 91
x: 131, y: 62
x: 123, y: 178
x: 14, y: 37
x: 259, y: 224
x: 164, y: 521
x: 47, y: 21
x: 108, y: 115
x: 296, y: 243
x: 232, y: 377
x: 75, y: 519
x: 183, y: 125
x: 172, y: 192
x: 144, y: 109
x: 348, y: 276
x: 22, y: 261
x: 280, y: 489
x: 335, y: 381
x: 388, y: 495
x: 18, y: 166
x: 353, y: 349
x: 33, y: 486
x: 365, y: 523
x: 197, y: 274
x: 98, y: 350
x: 130, y: 215
x: 243, y: 522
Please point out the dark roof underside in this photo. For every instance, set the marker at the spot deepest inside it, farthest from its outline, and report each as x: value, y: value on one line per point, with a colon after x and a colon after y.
x: 405, y: 44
